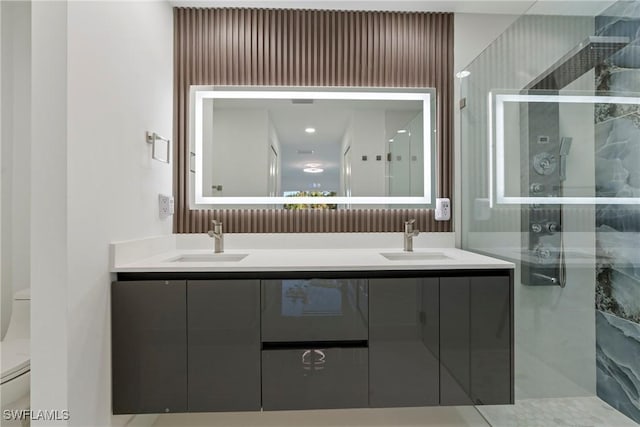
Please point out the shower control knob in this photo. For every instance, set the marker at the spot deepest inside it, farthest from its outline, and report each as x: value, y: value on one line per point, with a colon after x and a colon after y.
x: 536, y: 187
x: 543, y: 254
x: 545, y: 163
x: 548, y: 227
x: 551, y: 227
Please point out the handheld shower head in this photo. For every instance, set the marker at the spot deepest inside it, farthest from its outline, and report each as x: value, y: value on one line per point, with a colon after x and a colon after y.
x: 565, y: 147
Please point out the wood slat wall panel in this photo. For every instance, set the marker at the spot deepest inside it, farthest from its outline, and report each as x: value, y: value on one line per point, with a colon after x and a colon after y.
x: 283, y: 47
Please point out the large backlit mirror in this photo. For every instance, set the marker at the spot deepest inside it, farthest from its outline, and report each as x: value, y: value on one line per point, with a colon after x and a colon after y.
x: 312, y: 147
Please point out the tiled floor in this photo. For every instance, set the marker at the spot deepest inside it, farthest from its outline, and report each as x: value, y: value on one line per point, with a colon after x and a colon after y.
x: 537, y: 379
x: 462, y: 416
x: 557, y: 412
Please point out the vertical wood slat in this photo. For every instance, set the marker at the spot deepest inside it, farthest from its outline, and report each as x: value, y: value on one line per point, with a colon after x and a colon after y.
x: 234, y: 46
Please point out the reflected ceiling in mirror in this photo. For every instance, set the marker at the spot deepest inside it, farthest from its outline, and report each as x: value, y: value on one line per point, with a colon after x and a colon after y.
x: 312, y: 147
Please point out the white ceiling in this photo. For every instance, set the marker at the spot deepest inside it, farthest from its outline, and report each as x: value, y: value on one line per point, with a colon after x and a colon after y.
x: 508, y: 7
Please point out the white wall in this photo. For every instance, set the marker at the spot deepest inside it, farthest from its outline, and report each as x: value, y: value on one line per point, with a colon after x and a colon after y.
x: 403, y: 172
x: 49, y: 228
x: 207, y: 149
x: 368, y: 139
x: 581, y: 180
x: 472, y: 34
x: 105, y: 69
x: 240, y: 161
x: 16, y: 101
x: 274, y: 141
x: 345, y: 160
x: 120, y: 85
x: 5, y: 291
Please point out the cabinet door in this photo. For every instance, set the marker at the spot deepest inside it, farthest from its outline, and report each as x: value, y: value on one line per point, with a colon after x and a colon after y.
x: 455, y: 372
x: 224, y: 345
x: 403, y: 342
x: 491, y: 382
x: 475, y: 340
x: 149, y: 347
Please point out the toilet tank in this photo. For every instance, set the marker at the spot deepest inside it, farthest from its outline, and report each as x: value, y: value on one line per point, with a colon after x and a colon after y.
x: 20, y: 324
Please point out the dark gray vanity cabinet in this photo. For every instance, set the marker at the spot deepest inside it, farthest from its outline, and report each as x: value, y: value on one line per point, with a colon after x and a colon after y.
x: 403, y: 342
x: 311, y: 340
x: 223, y: 345
x: 149, y: 346
x: 475, y: 340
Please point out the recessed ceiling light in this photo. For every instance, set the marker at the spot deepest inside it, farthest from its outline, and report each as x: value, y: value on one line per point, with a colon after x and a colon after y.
x: 391, y: 140
x: 462, y: 74
x: 313, y: 165
x: 313, y: 170
x: 402, y: 131
x: 310, y: 130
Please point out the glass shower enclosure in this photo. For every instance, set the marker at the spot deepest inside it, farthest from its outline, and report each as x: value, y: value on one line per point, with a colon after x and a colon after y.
x: 550, y: 147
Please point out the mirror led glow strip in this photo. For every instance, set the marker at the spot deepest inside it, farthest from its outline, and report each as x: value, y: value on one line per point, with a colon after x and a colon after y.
x: 500, y: 100
x: 201, y: 95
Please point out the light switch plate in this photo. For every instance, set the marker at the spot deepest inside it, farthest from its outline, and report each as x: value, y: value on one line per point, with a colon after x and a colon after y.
x: 443, y: 209
x: 166, y: 205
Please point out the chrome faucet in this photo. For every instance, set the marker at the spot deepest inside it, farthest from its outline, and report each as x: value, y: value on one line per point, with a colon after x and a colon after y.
x: 218, y: 237
x: 409, y: 234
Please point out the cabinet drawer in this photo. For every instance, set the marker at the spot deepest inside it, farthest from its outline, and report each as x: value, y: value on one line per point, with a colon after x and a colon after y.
x: 315, y: 378
x: 314, y: 310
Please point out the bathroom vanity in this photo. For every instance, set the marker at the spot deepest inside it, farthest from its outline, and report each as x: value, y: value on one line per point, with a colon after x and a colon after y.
x: 311, y: 329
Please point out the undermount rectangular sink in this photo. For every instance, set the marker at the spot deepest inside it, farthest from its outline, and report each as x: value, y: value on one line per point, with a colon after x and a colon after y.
x: 210, y: 258
x: 414, y: 256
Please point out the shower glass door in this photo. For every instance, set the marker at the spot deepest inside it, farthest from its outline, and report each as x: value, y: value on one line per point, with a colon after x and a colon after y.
x: 550, y: 148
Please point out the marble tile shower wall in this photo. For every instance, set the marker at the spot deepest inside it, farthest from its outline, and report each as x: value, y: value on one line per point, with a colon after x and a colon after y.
x: 618, y: 226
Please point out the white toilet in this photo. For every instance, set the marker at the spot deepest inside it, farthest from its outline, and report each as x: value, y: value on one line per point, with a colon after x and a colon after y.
x: 15, y: 353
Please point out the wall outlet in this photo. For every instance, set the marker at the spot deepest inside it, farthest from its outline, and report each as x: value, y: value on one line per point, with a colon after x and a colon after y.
x: 166, y: 205
x: 443, y: 209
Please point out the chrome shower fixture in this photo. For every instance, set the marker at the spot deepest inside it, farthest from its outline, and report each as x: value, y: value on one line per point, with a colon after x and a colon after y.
x: 579, y: 60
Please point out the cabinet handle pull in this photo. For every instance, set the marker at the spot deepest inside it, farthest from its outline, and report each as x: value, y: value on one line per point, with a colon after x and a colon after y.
x: 306, y: 363
x: 313, y: 360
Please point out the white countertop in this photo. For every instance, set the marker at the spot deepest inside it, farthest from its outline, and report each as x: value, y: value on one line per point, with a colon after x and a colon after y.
x: 163, y: 258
